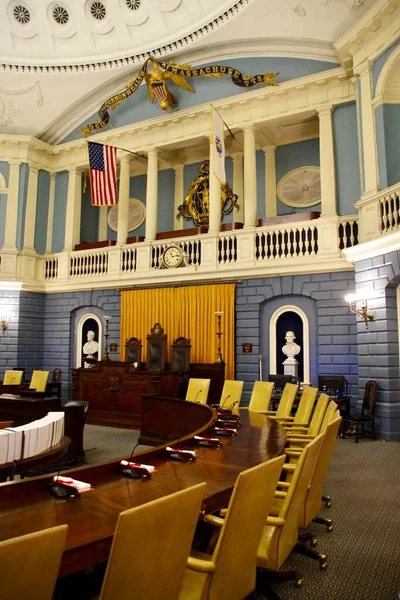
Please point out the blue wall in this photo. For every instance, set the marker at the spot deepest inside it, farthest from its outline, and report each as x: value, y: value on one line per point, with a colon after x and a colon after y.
x: 42, y: 211
x: 3, y: 209
x: 60, y: 209
x: 292, y: 156
x: 89, y: 217
x: 392, y: 142
x: 346, y: 158
x: 138, y: 108
x: 381, y: 146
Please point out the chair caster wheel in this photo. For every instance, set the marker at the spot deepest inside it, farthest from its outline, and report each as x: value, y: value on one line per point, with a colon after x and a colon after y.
x: 329, y: 528
x: 313, y: 543
x: 328, y: 504
x: 299, y: 582
x: 323, y: 566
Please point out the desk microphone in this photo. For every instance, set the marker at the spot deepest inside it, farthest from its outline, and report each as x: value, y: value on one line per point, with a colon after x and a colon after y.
x: 61, y: 490
x: 221, y: 406
x: 181, y: 455
x: 195, y: 398
x: 134, y: 470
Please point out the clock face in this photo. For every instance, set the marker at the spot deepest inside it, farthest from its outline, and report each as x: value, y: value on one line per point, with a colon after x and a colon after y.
x: 172, y: 256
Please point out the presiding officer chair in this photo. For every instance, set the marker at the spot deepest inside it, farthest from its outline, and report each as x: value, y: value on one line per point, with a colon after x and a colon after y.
x: 230, y: 572
x: 197, y: 390
x: 13, y: 377
x: 261, y: 395
x: 150, y: 547
x: 29, y: 564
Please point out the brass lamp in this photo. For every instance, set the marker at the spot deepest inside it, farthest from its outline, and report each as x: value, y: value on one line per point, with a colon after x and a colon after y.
x: 363, y: 312
x: 4, y: 320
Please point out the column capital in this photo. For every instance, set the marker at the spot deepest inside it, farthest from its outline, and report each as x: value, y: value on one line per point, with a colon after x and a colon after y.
x: 179, y: 168
x: 14, y: 163
x: 152, y: 152
x: 249, y: 129
x: 124, y: 158
x: 237, y: 155
x: 325, y: 110
x: 268, y: 149
x: 363, y: 68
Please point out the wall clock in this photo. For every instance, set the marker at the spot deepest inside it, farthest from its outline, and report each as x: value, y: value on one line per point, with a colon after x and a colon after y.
x: 301, y: 187
x: 172, y: 257
x: 136, y: 215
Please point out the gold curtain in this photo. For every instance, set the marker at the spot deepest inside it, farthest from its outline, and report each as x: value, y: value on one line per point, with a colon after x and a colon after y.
x: 187, y: 311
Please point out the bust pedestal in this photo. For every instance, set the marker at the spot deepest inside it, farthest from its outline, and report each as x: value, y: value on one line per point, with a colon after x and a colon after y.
x: 290, y: 366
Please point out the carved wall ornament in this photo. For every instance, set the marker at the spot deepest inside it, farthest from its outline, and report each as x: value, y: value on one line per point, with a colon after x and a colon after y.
x: 297, y: 8
x: 7, y: 108
x: 300, y: 187
x: 196, y: 206
x: 352, y: 4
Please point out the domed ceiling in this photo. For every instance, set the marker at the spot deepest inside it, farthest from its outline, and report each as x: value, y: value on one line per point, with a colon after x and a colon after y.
x: 55, y: 56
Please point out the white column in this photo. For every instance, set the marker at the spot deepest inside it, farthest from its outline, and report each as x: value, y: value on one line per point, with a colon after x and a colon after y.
x: 327, y: 162
x: 10, y: 234
x: 368, y: 131
x: 152, y: 195
x: 50, y: 214
x: 250, y: 178
x: 178, y: 196
x: 30, y: 213
x: 102, y: 228
x: 237, y: 159
x: 123, y: 199
x: 73, y: 216
x: 270, y: 181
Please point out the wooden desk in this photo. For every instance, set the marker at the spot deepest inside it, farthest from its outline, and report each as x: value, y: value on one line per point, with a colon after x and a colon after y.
x: 94, y: 245
x: 27, y: 506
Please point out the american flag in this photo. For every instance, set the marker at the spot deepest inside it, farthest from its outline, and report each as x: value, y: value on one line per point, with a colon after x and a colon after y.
x: 103, y: 174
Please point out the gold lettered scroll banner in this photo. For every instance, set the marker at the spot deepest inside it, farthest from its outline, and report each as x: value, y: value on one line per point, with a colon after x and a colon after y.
x: 161, y: 72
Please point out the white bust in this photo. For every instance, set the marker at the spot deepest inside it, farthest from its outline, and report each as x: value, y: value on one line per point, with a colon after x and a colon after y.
x: 91, y: 346
x: 291, y: 349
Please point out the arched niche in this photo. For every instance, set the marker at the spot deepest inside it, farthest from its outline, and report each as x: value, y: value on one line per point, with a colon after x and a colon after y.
x: 304, y: 342
x: 388, y: 84
x: 87, y: 322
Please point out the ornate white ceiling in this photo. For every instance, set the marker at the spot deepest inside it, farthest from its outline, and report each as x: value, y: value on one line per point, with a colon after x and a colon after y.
x: 94, y: 46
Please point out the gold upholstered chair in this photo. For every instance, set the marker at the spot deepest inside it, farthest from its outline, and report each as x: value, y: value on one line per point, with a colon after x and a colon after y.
x: 280, y: 533
x: 300, y: 439
x: 29, y: 564
x: 231, y: 394
x: 150, y: 547
x: 285, y: 403
x: 304, y: 409
x: 230, y: 571
x: 316, y: 421
x: 13, y: 377
x: 261, y: 395
x: 39, y: 381
x: 197, y: 390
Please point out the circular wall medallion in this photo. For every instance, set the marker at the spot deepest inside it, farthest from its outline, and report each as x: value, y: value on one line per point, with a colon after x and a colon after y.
x: 136, y: 215
x: 301, y: 187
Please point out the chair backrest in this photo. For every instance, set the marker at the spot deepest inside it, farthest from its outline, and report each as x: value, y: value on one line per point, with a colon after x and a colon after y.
x: 197, y: 390
x: 370, y: 396
x: 235, y: 553
x: 29, y: 564
x: 313, y: 503
x: 261, y: 395
x: 231, y: 393
x: 277, y: 543
x: 318, y: 414
x: 330, y: 415
x: 56, y: 375
x: 306, y: 405
x: 287, y: 399
x: 39, y: 380
x: 13, y: 377
x: 151, y: 546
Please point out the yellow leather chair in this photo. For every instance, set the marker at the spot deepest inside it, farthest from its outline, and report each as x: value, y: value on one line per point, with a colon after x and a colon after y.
x: 13, y: 377
x: 261, y: 395
x: 150, y: 547
x: 29, y: 564
x: 316, y: 421
x: 304, y: 409
x: 231, y: 394
x: 285, y: 403
x: 39, y: 381
x: 230, y: 572
x: 280, y: 533
x: 298, y: 439
x: 197, y: 390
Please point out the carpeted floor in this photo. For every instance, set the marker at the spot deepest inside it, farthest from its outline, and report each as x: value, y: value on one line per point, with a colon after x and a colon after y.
x: 363, y: 549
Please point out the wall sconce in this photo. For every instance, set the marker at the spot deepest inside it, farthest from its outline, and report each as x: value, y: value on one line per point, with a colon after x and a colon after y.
x: 4, y: 323
x: 363, y: 312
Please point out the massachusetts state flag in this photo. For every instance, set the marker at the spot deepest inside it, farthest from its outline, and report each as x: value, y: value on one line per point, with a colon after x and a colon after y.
x: 218, y: 145
x: 103, y: 174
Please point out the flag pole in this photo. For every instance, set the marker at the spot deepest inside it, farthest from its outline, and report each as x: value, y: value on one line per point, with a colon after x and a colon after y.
x: 226, y: 125
x: 118, y: 148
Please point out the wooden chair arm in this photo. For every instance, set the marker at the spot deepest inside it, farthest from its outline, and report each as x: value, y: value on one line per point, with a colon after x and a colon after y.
x: 213, y: 520
x: 289, y: 467
x: 280, y: 494
x: 283, y: 484
x: 198, y: 564
x: 277, y: 521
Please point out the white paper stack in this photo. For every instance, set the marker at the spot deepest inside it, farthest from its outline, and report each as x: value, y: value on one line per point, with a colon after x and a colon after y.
x: 31, y: 439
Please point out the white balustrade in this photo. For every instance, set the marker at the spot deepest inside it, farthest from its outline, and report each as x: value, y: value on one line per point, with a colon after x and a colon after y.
x: 389, y: 202
x: 348, y: 232
x: 88, y: 263
x: 279, y: 242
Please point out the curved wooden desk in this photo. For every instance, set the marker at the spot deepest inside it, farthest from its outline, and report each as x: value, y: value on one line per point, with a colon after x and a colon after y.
x: 39, y: 461
x: 27, y: 506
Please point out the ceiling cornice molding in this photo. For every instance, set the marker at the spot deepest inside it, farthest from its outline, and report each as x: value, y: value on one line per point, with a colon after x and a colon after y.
x: 9, y: 64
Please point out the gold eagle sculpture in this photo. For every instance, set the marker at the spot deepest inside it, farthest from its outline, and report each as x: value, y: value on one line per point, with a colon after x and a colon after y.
x: 156, y: 80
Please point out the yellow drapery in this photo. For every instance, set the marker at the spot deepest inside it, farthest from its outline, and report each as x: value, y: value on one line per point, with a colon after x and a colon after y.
x: 187, y: 311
